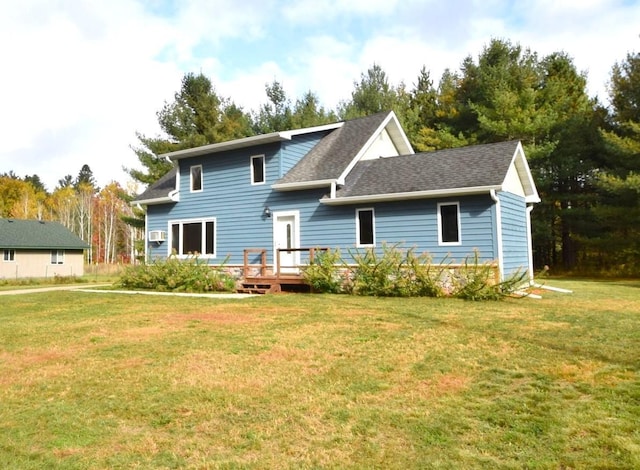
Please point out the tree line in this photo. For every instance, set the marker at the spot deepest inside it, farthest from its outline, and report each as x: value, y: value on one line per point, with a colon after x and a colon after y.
x: 97, y: 215
x: 584, y: 155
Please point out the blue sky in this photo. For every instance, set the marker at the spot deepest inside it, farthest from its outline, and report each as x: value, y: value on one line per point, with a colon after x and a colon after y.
x: 81, y: 77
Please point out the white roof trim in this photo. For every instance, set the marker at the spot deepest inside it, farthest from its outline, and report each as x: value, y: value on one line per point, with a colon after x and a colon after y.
x: 398, y: 133
x: 524, y: 172
x: 247, y: 142
x: 303, y: 185
x: 173, y: 196
x: 150, y: 202
x: 410, y: 195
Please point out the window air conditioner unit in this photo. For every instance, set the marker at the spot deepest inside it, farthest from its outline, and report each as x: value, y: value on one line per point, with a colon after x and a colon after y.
x: 157, y: 236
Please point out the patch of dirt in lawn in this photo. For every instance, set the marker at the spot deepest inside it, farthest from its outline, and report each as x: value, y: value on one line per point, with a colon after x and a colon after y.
x: 217, y: 317
x: 47, y: 363
x: 447, y: 384
x: 227, y: 315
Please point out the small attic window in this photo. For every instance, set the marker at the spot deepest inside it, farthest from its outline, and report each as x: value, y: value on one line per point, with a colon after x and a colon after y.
x: 257, y: 169
x: 196, y: 178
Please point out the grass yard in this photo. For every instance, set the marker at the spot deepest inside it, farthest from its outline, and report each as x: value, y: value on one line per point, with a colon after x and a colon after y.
x: 94, y: 381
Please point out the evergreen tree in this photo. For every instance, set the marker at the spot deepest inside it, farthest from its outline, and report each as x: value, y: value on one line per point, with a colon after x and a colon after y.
x: 275, y: 115
x: 373, y: 94
x: 36, y: 182
x: 65, y: 182
x: 307, y: 112
x: 85, y: 177
x: 197, y: 116
x: 617, y: 245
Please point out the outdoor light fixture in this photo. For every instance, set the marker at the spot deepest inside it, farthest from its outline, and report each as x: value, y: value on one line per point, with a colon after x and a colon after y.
x: 267, y: 211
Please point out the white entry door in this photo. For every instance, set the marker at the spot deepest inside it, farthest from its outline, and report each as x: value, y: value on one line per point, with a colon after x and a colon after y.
x: 286, y: 227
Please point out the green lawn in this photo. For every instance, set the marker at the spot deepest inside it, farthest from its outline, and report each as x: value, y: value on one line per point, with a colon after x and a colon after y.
x: 308, y: 381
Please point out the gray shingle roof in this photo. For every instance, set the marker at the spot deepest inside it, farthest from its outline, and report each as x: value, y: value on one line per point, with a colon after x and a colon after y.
x: 467, y: 167
x: 161, y: 188
x: 329, y: 158
x: 36, y: 234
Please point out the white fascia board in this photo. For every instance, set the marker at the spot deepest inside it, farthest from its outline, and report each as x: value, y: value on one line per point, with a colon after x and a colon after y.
x: 309, y: 130
x: 247, y: 142
x: 397, y: 132
x: 407, y: 196
x: 522, y: 166
x: 230, y: 145
x: 302, y: 185
x: 150, y: 202
x: 173, y: 196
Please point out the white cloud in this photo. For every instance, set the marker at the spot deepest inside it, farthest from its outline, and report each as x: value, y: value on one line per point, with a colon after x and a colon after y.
x: 80, y: 78
x: 87, y: 75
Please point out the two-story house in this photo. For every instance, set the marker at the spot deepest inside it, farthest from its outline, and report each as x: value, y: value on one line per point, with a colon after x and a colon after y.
x: 349, y: 185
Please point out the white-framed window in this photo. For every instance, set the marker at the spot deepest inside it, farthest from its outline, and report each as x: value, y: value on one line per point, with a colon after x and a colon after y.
x: 258, y: 175
x: 57, y: 256
x: 365, y: 227
x: 449, y: 223
x: 196, y: 178
x: 193, y: 236
x: 9, y: 255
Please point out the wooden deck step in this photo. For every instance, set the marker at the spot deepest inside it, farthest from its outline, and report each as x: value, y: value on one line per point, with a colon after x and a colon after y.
x: 258, y: 288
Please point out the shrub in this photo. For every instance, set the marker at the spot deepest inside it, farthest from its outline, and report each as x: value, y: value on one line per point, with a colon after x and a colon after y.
x: 323, y: 273
x: 395, y: 273
x: 476, y: 281
x: 175, y: 275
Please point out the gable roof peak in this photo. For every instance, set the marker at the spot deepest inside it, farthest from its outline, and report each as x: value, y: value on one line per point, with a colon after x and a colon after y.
x: 335, y: 155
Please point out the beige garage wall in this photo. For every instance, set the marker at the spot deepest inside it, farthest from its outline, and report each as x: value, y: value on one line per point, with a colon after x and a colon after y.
x: 38, y: 264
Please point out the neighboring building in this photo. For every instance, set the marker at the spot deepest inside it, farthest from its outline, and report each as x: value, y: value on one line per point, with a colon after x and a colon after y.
x: 37, y: 248
x: 349, y: 185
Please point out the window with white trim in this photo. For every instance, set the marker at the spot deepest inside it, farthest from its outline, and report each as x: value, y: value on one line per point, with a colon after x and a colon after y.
x: 449, y: 223
x: 9, y: 255
x: 193, y: 237
x: 196, y: 178
x: 257, y: 169
x: 365, y: 227
x: 57, y: 256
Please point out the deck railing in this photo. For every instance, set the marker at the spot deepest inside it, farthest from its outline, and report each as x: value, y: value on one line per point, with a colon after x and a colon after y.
x: 263, y: 262
x: 262, y: 269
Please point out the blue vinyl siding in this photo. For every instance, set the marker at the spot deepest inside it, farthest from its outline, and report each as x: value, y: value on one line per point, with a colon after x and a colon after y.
x: 514, y: 233
x: 241, y: 224
x: 295, y: 149
x: 237, y: 206
x: 409, y: 223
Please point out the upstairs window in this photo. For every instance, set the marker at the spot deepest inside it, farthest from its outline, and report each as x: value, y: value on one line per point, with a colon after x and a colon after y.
x: 57, y: 256
x: 9, y: 255
x: 257, y: 169
x: 365, y: 227
x: 191, y: 237
x: 449, y: 224
x: 196, y: 178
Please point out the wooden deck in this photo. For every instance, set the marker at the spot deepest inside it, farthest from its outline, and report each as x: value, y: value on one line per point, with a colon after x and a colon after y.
x: 258, y: 278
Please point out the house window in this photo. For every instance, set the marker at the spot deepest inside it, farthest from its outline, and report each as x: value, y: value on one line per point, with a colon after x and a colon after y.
x: 257, y: 169
x: 449, y: 223
x: 190, y: 237
x: 365, y: 227
x: 196, y: 178
x: 9, y: 255
x: 57, y: 256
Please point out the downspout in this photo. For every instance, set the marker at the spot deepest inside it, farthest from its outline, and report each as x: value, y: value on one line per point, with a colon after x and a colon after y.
x: 496, y: 199
x: 530, y: 244
x: 333, y: 189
